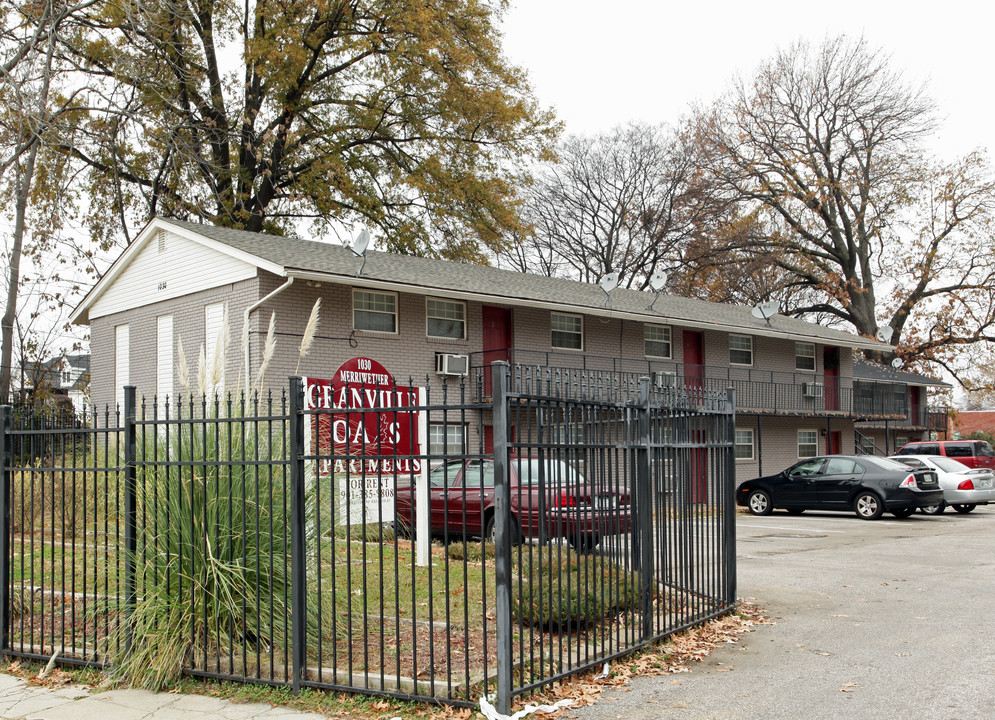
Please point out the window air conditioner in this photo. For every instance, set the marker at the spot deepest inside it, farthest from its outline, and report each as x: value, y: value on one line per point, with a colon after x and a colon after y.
x: 812, y: 390
x: 665, y: 379
x: 446, y: 364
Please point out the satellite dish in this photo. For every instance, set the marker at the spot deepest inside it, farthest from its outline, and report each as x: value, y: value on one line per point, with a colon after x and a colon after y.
x: 884, y: 334
x: 359, y: 246
x: 896, y: 363
x: 609, y: 282
x: 658, y: 280
x: 765, y: 311
x: 362, y: 242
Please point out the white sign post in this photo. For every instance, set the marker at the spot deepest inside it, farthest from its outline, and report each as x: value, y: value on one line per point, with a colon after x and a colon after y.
x: 423, y: 530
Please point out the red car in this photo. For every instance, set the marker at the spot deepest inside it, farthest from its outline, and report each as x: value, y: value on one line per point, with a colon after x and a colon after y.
x: 973, y: 453
x: 550, y: 499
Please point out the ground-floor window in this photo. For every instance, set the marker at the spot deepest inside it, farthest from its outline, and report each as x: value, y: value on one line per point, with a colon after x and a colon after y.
x: 744, y: 444
x: 808, y: 443
x: 446, y: 438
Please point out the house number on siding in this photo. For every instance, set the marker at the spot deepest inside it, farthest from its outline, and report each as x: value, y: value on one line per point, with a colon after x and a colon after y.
x: 162, y: 285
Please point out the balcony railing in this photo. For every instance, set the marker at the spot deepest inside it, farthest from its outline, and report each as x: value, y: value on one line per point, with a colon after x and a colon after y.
x: 764, y: 392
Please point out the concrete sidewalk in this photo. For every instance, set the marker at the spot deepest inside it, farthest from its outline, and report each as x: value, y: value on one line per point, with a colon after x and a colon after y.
x: 21, y: 701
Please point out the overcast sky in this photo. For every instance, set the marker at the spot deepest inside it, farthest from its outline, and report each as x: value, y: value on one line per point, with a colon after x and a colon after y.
x: 600, y: 63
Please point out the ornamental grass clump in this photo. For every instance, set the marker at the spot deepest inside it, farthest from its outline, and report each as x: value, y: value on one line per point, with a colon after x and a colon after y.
x: 213, y: 555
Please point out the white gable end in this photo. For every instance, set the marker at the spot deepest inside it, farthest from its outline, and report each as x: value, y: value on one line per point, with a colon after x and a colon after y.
x: 169, y: 266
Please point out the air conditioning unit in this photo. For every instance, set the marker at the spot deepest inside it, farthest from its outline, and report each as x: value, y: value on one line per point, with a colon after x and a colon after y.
x: 665, y: 379
x: 812, y: 390
x: 446, y: 364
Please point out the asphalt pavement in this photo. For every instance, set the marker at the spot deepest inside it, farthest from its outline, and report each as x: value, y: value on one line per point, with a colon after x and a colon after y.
x: 883, y: 619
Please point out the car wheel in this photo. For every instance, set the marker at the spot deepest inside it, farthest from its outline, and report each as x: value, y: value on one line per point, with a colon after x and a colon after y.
x: 491, y: 531
x: 964, y: 509
x: 795, y: 511
x: 903, y: 513
x: 868, y: 505
x: 585, y: 542
x: 759, y: 503
x: 933, y: 509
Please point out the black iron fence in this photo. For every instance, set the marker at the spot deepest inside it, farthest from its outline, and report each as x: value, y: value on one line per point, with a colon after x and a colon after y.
x: 386, y: 540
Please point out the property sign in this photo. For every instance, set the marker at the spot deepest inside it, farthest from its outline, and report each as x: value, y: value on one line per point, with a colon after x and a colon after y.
x: 372, y: 429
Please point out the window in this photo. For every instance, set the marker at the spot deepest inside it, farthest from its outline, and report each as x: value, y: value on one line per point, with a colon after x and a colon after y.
x: 121, y: 358
x: 479, y: 473
x: 445, y: 318
x: 164, y: 357
x: 959, y: 450
x: 866, y: 445
x: 568, y: 331
x: 744, y: 444
x: 806, y: 469
x: 740, y: 350
x: 445, y: 475
x: 901, y: 441
x: 374, y: 311
x: 656, y: 341
x: 842, y: 466
x: 808, y: 443
x: 446, y: 439
x: 804, y: 356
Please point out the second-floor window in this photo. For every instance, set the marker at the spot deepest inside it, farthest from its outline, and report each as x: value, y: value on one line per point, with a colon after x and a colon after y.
x: 567, y: 331
x: 804, y: 356
x: 445, y: 318
x: 656, y: 341
x: 374, y: 311
x: 740, y: 350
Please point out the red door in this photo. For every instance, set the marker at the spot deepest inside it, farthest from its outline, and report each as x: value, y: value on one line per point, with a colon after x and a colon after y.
x: 831, y: 379
x: 496, y: 338
x: 835, y: 443
x: 694, y: 379
x: 694, y: 360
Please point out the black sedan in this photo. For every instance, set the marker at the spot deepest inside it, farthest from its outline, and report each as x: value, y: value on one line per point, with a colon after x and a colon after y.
x: 866, y: 484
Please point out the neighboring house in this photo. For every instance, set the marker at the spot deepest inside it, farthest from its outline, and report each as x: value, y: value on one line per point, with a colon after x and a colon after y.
x: 967, y: 422
x: 60, y: 380
x: 795, y: 382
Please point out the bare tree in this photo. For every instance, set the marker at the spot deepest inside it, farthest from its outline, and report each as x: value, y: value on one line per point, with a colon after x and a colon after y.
x: 631, y: 201
x: 825, y: 145
x: 28, y: 116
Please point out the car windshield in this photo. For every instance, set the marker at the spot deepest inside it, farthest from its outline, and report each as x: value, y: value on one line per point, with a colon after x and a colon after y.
x: 879, y: 463
x: 532, y: 471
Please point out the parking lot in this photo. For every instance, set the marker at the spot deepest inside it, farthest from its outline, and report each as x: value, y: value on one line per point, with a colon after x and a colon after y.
x: 882, y: 619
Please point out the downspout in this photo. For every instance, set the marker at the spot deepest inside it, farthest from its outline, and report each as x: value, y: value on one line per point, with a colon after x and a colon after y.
x: 245, y: 320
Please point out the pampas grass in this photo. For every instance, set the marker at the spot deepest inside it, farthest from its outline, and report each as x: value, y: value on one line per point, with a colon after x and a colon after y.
x: 216, y: 537
x: 268, y: 349
x: 308, y: 337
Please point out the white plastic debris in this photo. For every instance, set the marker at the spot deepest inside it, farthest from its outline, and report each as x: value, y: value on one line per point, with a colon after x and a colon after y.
x: 605, y: 672
x: 491, y: 713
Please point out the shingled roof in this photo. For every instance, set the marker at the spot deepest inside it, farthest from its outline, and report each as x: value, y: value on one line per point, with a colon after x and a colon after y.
x: 308, y: 259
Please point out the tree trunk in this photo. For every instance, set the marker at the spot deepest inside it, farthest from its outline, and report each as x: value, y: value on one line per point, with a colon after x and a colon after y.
x: 24, y: 177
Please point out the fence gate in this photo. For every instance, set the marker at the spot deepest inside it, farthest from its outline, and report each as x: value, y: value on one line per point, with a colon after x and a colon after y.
x: 567, y: 520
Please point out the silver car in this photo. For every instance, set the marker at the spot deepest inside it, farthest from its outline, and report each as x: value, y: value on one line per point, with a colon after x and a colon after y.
x: 964, y: 488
